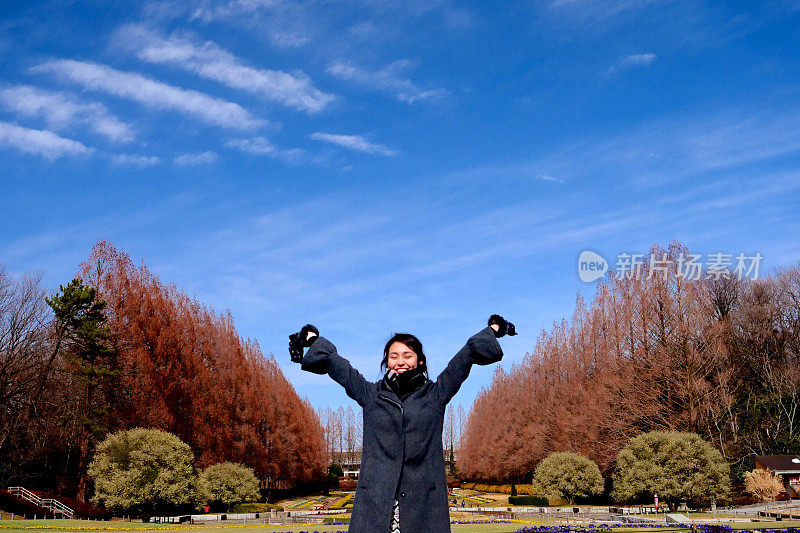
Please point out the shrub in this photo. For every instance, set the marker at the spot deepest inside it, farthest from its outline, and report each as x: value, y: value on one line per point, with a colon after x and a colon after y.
x: 343, y: 502
x: 676, y: 466
x: 569, y: 475
x: 336, y: 469
x: 143, y: 470
x: 763, y: 485
x: 228, y: 483
x: 502, y: 489
x: 255, y: 507
x: 532, y: 501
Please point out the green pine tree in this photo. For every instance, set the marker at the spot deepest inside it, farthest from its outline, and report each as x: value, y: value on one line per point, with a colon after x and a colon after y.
x: 83, y: 340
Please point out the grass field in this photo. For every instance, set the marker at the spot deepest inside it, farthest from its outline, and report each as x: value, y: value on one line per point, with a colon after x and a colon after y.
x: 72, y: 526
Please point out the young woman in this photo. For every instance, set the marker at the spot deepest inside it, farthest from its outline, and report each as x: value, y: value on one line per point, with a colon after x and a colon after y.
x: 402, y: 481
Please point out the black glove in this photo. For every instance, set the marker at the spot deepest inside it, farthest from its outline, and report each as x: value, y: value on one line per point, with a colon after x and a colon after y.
x: 299, y: 340
x: 505, y: 327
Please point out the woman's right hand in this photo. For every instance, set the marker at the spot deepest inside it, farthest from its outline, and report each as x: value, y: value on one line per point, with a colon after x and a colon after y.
x: 501, y: 326
x: 310, y: 332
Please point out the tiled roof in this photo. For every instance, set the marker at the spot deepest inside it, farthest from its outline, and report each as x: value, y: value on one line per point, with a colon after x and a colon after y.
x: 780, y: 463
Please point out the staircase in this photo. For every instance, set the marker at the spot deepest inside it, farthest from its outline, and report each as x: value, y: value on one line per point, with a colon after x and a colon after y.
x: 52, y: 505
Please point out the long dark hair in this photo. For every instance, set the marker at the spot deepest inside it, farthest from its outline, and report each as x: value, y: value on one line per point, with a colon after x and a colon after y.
x: 412, y: 342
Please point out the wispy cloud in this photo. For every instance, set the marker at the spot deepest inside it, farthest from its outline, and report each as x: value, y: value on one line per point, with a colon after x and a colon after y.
x: 598, y: 9
x: 657, y: 152
x: 354, y: 142
x: 40, y: 142
x: 631, y: 61
x: 151, y: 93
x: 135, y: 160
x: 208, y: 60
x: 209, y: 12
x: 389, y: 78
x: 548, y: 177
x: 301, y: 15
x: 638, y: 60
x: 284, y: 39
x: 262, y: 146
x: 204, y: 158
x: 62, y: 110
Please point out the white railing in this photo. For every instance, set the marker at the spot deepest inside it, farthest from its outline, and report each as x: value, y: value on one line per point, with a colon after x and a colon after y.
x: 52, y: 505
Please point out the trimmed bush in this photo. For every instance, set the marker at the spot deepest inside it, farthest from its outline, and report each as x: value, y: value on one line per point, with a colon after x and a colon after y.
x: 336, y: 469
x: 143, y: 471
x: 255, y: 507
x: 228, y: 484
x: 343, y: 502
x: 531, y: 501
x: 569, y: 475
x: 676, y: 466
x: 522, y: 489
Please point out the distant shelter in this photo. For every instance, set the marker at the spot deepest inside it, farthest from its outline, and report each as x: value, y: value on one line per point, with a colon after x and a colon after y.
x: 786, y: 466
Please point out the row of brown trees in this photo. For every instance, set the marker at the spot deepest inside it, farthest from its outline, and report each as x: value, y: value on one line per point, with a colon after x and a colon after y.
x: 719, y: 357
x: 166, y: 361
x: 344, y: 431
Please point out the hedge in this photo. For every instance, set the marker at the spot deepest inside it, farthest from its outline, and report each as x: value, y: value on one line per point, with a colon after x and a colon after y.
x: 533, y: 501
x: 342, y: 502
x: 502, y: 489
x: 255, y: 507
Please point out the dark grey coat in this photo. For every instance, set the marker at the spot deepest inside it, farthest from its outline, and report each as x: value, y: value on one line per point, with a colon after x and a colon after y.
x: 402, y: 449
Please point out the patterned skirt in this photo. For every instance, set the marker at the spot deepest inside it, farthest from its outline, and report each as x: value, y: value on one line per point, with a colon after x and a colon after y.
x: 396, y: 518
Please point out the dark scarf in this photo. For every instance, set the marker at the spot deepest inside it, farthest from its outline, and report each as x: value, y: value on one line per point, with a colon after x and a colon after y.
x: 406, y: 382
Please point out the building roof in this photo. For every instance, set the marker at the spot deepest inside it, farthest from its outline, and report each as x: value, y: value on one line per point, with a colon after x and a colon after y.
x: 780, y: 463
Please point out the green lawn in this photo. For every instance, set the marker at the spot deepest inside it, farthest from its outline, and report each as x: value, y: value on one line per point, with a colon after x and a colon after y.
x: 744, y: 526
x: 71, y: 526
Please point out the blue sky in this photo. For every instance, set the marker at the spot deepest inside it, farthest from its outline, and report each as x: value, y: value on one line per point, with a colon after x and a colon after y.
x: 373, y: 166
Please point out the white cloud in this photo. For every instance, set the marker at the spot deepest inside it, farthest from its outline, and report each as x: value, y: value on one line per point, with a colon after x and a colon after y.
x: 598, y: 10
x: 457, y: 18
x: 638, y: 60
x: 151, y: 93
x: 288, y: 40
x: 354, y: 142
x: 204, y: 158
x: 262, y: 146
x: 209, y: 61
x: 256, y: 146
x: 388, y: 79
x: 548, y: 177
x: 733, y: 141
x: 135, y: 160
x: 231, y: 8
x: 39, y: 142
x: 631, y: 61
x: 62, y: 110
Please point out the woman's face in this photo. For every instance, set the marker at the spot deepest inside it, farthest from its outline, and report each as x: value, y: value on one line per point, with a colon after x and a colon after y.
x: 401, y: 358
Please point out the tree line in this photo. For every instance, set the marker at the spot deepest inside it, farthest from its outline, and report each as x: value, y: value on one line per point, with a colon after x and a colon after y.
x: 344, y: 429
x: 118, y: 349
x: 718, y: 356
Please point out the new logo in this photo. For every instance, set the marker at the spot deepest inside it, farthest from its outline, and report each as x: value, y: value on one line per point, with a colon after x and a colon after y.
x: 591, y: 266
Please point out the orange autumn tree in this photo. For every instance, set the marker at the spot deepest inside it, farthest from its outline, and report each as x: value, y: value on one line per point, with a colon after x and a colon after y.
x: 717, y: 357
x: 184, y: 368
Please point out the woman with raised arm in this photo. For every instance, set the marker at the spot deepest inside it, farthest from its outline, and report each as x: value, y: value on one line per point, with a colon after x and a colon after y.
x: 402, y: 484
